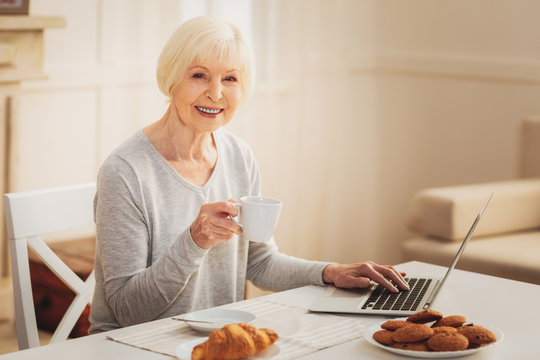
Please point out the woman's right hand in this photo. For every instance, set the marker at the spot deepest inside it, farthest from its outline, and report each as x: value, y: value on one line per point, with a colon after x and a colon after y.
x: 213, y: 225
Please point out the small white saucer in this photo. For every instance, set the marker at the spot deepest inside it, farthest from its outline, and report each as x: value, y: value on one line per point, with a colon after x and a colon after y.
x: 218, y: 318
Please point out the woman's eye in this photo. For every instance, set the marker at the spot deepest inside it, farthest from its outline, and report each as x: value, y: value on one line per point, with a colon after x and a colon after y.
x: 231, y: 78
x: 198, y: 76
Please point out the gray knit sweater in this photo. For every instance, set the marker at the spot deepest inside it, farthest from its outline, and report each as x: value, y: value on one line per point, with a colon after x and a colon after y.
x: 148, y: 266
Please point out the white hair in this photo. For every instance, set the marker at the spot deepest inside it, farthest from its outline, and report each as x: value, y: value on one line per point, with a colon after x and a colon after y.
x: 200, y: 39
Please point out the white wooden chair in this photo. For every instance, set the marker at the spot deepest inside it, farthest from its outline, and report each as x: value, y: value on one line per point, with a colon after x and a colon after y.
x: 29, y: 215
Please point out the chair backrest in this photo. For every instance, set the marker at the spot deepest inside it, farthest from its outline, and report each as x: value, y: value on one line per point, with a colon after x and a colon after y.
x: 29, y: 215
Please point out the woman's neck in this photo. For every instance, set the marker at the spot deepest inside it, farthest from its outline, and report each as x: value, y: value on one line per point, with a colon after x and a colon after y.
x: 193, y: 155
x: 176, y: 142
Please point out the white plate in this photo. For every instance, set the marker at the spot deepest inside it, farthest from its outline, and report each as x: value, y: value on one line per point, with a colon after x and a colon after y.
x: 371, y: 329
x: 183, y: 351
x: 218, y: 317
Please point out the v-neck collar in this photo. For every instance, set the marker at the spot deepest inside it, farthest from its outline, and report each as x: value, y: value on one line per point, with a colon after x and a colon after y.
x: 169, y: 168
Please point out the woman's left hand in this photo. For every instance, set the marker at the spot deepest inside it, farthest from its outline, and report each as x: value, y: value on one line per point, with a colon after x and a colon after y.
x: 360, y: 275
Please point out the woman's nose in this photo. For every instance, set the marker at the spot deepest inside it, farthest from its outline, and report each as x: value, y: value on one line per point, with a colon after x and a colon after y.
x: 215, y: 91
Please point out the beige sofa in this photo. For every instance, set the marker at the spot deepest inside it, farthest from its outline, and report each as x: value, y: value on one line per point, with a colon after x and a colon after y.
x: 506, y: 242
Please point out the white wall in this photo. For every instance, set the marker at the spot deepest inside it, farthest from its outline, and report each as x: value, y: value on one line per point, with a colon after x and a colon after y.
x: 101, y: 87
x: 359, y: 103
x: 312, y: 123
x: 456, y: 78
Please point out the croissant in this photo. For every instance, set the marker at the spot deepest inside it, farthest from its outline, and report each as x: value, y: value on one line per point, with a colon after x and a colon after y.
x: 234, y: 341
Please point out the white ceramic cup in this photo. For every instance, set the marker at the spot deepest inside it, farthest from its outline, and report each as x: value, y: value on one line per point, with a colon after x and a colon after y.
x: 258, y: 217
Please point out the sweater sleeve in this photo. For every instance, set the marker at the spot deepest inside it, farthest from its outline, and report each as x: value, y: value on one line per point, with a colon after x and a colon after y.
x: 135, y: 290
x: 271, y: 270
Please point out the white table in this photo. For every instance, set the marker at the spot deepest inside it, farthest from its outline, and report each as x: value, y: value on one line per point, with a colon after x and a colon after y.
x: 511, y: 306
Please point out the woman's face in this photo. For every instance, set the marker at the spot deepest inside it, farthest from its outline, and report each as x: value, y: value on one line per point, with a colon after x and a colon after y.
x: 208, y: 94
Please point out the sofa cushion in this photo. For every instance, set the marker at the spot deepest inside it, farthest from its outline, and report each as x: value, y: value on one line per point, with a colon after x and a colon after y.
x: 448, y: 212
x: 530, y: 147
x: 512, y: 256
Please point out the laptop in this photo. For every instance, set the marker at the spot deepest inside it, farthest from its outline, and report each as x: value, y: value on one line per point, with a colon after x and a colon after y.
x: 377, y: 300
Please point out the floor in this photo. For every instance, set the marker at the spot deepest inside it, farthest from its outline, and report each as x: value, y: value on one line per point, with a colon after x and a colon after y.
x: 8, y: 337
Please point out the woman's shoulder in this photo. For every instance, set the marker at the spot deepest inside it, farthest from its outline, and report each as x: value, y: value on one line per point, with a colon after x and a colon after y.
x: 236, y: 154
x: 128, y: 154
x: 230, y: 142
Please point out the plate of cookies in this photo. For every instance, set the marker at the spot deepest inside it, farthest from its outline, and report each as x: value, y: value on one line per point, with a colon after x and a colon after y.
x: 430, y: 334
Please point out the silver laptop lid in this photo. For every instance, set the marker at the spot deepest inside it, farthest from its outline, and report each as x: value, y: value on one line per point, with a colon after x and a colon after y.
x: 458, y: 254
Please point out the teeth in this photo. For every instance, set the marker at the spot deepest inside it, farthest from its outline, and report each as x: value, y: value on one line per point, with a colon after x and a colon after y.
x: 208, y: 111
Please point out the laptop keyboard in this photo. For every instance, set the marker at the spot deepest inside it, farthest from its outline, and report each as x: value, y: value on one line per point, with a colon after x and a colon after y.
x: 382, y: 299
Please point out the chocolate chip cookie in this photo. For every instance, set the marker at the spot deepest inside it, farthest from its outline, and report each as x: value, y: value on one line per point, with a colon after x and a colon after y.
x: 425, y: 316
x: 477, y: 334
x: 452, y: 320
x: 384, y: 337
x: 412, y: 333
x: 448, y: 342
x: 395, y: 324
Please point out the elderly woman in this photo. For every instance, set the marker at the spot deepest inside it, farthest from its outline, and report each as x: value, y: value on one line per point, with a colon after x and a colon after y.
x: 165, y: 242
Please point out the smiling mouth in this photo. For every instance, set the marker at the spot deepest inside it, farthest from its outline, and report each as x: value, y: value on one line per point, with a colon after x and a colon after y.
x: 208, y: 110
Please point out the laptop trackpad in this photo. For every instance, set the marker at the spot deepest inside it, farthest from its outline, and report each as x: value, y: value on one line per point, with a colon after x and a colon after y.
x: 347, y: 293
x: 341, y: 300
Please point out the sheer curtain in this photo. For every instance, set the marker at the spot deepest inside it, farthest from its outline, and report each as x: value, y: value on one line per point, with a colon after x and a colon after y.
x: 311, y: 124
